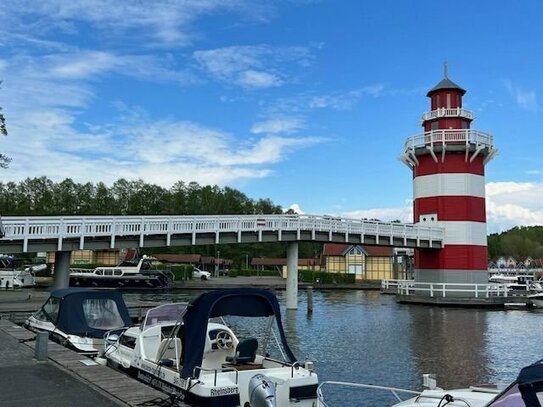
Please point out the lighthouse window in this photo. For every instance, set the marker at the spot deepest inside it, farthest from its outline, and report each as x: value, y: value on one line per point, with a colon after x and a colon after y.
x: 437, y: 101
x: 448, y: 100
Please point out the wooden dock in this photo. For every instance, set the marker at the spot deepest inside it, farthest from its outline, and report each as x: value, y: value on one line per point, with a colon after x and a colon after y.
x: 117, y: 386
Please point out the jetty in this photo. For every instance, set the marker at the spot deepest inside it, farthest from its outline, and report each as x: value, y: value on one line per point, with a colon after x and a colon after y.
x: 66, y: 378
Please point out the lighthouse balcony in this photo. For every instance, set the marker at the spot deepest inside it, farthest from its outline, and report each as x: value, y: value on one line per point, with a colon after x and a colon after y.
x: 460, y: 137
x: 439, y: 142
x: 447, y: 112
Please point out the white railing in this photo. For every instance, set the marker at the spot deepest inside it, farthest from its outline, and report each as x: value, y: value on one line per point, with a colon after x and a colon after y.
x: 394, y: 284
x: 56, y: 227
x: 444, y: 290
x: 447, y: 112
x: 394, y: 390
x: 450, y: 136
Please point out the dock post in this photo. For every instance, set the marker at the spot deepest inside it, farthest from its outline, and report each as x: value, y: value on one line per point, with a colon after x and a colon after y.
x: 40, y: 350
x: 292, y: 275
x: 309, y: 300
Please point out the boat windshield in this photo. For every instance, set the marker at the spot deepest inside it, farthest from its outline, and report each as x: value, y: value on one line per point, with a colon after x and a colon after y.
x: 167, y: 313
x: 510, y: 398
x: 102, y: 313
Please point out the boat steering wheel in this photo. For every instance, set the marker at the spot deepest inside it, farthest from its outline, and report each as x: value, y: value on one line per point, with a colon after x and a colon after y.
x: 223, y: 340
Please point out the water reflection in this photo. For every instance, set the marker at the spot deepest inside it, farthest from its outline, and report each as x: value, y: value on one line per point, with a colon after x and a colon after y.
x: 450, y: 343
x: 362, y: 336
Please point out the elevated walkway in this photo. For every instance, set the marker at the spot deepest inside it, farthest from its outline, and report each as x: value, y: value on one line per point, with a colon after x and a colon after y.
x: 68, y: 233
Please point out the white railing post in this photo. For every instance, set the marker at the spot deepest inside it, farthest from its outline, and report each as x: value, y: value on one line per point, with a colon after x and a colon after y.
x: 444, y: 291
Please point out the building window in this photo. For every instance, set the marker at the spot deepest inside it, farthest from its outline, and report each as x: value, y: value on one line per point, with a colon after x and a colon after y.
x: 448, y: 100
x: 437, y: 101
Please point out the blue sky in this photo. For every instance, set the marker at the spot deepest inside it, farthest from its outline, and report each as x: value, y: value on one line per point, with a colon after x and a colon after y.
x: 305, y: 102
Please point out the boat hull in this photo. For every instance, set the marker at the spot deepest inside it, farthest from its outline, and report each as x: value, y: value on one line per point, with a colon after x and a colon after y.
x: 536, y: 301
x: 203, y: 393
x: 127, y: 282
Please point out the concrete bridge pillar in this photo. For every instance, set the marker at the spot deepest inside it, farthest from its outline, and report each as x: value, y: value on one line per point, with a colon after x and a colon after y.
x: 292, y: 275
x: 62, y: 270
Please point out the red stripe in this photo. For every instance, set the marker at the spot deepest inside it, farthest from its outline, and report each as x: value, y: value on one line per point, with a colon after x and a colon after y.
x: 453, y: 257
x: 460, y: 208
x: 454, y: 163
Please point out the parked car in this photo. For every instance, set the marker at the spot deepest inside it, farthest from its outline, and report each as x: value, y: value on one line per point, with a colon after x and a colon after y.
x: 201, y: 274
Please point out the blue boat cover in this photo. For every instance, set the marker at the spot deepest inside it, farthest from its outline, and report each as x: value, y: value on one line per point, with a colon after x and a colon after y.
x: 242, y: 302
x: 530, y: 383
x: 72, y: 318
x: 524, y: 391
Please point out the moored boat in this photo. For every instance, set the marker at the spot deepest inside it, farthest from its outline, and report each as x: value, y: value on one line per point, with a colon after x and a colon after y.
x: 127, y: 275
x: 17, y: 276
x: 525, y: 391
x: 187, y: 350
x: 536, y: 300
x: 78, y: 318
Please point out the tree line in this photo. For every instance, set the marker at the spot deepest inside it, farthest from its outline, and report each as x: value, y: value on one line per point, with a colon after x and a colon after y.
x: 519, y: 242
x: 41, y: 197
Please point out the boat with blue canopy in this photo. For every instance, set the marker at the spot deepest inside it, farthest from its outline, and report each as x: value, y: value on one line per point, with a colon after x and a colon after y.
x: 80, y: 317
x: 196, y: 356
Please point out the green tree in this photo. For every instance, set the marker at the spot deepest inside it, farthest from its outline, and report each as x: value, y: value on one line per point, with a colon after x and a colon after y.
x: 4, y: 159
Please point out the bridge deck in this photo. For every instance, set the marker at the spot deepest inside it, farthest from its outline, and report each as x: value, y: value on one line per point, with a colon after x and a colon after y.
x: 54, y: 233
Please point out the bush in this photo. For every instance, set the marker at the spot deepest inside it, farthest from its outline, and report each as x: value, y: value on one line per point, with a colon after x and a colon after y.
x: 311, y: 276
x: 181, y: 271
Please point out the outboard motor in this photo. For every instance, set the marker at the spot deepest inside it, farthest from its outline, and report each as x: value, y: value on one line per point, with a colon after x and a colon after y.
x: 261, y: 391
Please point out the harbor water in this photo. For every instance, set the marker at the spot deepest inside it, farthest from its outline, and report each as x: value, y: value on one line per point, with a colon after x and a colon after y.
x: 366, y: 337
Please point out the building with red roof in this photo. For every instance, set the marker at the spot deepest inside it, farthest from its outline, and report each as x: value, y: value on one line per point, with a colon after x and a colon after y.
x: 366, y: 262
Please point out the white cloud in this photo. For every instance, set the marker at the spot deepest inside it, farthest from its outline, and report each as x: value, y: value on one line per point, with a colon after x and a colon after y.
x: 256, y: 79
x: 278, y: 125
x: 526, y: 99
x: 512, y: 204
x: 504, y: 188
x: 162, y: 22
x: 296, y: 208
x: 404, y: 214
x: 307, y: 102
x: 82, y: 65
x: 252, y: 67
x: 46, y: 142
x: 508, y: 204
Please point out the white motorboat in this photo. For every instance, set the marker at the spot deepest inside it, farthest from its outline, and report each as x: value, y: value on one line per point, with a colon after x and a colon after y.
x: 13, y: 276
x: 188, y: 351
x: 78, y: 318
x: 127, y: 275
x: 525, y: 391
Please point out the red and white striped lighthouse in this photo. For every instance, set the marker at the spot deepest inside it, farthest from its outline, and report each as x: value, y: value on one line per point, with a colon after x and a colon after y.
x: 448, y: 163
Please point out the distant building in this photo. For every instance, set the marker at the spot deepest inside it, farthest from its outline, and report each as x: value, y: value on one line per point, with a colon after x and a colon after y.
x: 103, y: 257
x: 512, y: 265
x: 366, y: 262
